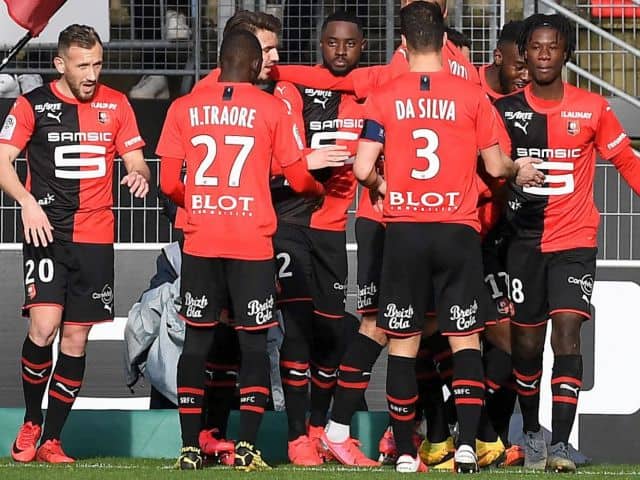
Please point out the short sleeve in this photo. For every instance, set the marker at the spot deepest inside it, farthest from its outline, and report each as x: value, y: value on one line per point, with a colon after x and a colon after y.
x: 287, y: 142
x: 170, y: 141
x: 373, y: 128
x: 18, y: 125
x: 128, y: 136
x: 487, y: 126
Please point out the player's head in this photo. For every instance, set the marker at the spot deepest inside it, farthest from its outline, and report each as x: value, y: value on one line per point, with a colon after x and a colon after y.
x: 512, y: 69
x: 422, y: 27
x: 547, y: 42
x: 240, y: 56
x: 79, y: 60
x: 342, y: 41
x: 461, y: 41
x: 266, y: 28
x: 441, y: 3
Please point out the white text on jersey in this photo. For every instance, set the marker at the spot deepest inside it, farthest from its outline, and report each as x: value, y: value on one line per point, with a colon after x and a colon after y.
x: 225, y: 115
x: 54, y: 137
x: 434, y: 108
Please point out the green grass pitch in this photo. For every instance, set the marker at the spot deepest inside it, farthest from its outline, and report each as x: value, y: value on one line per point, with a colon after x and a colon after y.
x: 146, y: 469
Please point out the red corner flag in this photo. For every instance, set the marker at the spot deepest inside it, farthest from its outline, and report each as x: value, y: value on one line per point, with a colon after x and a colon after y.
x: 33, y: 14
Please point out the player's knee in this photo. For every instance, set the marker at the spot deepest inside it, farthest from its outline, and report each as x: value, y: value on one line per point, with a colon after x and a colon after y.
x: 527, y: 342
x: 565, y: 341
x: 369, y: 329
x: 74, y: 340
x: 42, y: 335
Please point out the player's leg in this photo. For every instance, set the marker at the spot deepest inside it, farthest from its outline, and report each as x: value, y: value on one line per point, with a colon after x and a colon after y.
x: 457, y: 278
x: 252, y: 291
x: 294, y: 301
x: 571, y: 276
x: 89, y: 300
x: 328, y: 287
x: 221, y: 376
x: 203, y: 293
x: 527, y: 272
x: 354, y: 372
x: 44, y: 283
x: 405, y: 289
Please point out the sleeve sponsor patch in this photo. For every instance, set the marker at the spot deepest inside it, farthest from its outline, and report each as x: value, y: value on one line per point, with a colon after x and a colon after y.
x: 8, y: 128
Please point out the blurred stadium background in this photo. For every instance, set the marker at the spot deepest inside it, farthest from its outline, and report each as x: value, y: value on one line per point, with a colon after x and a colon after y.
x: 155, y: 49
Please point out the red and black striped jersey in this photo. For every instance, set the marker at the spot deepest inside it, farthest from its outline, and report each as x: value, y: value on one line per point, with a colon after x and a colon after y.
x: 70, y: 147
x: 561, y: 214
x: 324, y: 117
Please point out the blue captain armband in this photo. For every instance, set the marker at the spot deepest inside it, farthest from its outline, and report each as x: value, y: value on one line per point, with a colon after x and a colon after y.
x: 372, y: 130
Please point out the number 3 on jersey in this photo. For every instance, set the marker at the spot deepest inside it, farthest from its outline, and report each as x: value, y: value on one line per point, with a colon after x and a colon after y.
x: 428, y: 152
x: 245, y: 144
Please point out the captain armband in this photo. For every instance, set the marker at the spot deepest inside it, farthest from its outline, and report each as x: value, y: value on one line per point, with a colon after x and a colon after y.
x: 373, y: 131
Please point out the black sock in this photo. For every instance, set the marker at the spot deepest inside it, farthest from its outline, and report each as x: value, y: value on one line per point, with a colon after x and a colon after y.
x: 402, y: 394
x: 432, y: 400
x: 295, y: 384
x: 497, y: 368
x: 294, y: 364
x: 190, y: 382
x: 565, y: 387
x: 63, y: 390
x: 36, y: 365
x: 443, y: 358
x: 353, y: 377
x: 468, y: 393
x: 527, y: 374
x: 221, y: 379
x: 254, y: 383
x: 220, y: 382
x: 500, y: 410
x: 326, y: 352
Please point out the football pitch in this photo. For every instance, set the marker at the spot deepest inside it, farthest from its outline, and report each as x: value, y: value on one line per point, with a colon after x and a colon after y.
x: 147, y: 469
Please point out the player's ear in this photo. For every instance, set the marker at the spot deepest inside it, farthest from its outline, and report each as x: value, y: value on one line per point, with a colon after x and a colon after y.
x: 58, y: 62
x: 363, y: 44
x: 444, y: 39
x: 497, y: 57
x: 403, y: 41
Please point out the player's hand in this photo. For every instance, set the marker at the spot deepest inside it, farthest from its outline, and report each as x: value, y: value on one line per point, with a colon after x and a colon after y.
x: 329, y: 156
x: 137, y: 184
x: 528, y: 175
x: 37, y: 229
x: 377, y: 194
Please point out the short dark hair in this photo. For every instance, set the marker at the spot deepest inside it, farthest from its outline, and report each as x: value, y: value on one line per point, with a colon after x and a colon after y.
x: 511, y: 32
x: 422, y: 25
x: 458, y: 38
x: 239, y: 49
x: 252, y: 22
x: 343, y: 16
x: 83, y: 36
x: 556, y: 22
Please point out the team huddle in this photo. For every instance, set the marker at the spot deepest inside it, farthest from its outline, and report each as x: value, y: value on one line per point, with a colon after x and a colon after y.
x: 476, y: 224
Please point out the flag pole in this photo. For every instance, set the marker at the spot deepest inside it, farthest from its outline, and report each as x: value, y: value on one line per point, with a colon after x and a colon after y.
x: 15, y: 49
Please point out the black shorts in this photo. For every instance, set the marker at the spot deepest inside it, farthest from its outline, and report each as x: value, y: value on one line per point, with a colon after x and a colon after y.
x: 499, y: 307
x: 208, y: 285
x: 419, y: 255
x: 546, y: 283
x: 370, y: 238
x: 312, y: 266
x: 78, y: 277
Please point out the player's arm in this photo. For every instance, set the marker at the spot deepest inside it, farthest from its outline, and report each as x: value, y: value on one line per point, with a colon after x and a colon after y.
x: 37, y: 229
x: 170, y: 184
x: 627, y: 162
x: 14, y: 136
x: 287, y: 152
x: 370, y: 147
x: 172, y: 153
x: 138, y: 173
x: 614, y: 145
x: 489, y: 131
x: 317, y: 158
